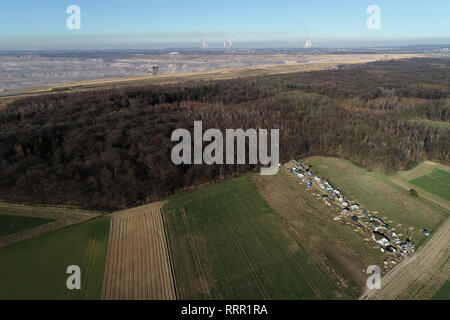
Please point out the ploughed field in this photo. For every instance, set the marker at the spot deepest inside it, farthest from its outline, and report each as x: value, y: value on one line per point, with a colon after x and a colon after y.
x: 419, y: 276
x: 138, y: 265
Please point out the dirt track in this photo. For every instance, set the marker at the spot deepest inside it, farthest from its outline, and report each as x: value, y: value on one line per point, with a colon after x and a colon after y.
x: 138, y: 265
x: 421, y: 275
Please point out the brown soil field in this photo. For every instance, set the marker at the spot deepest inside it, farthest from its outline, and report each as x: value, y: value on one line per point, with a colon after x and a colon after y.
x: 421, y: 275
x: 138, y: 263
x: 63, y: 218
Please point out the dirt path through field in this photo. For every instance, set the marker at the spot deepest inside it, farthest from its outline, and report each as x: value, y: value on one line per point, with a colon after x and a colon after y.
x: 138, y: 265
x: 403, y: 179
x: 421, y: 275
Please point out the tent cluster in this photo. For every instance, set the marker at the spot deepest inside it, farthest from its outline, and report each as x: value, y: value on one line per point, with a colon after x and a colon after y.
x: 305, y: 174
x: 381, y: 233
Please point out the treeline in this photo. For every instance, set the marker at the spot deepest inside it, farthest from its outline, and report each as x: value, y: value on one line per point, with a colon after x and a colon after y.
x: 110, y: 149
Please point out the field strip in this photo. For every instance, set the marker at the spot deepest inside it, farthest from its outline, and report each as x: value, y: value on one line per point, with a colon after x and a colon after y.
x: 286, y: 251
x: 278, y: 204
x: 137, y: 263
x: 62, y: 219
x: 419, y: 276
x: 244, y: 256
x: 195, y: 253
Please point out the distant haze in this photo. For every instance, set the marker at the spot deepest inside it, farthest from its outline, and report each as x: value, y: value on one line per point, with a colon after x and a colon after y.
x: 147, y: 24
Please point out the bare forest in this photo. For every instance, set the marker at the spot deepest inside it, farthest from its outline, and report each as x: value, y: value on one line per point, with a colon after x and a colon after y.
x: 110, y: 149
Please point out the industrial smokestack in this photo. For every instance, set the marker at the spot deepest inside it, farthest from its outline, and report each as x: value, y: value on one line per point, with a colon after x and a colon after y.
x: 308, y: 44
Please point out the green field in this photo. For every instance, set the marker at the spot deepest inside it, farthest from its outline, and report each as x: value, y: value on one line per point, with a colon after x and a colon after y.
x: 375, y: 192
x: 36, y: 268
x: 226, y: 243
x: 443, y: 292
x: 436, y: 182
x: 12, y: 224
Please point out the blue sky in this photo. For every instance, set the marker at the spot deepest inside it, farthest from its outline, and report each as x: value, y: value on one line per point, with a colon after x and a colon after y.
x: 31, y: 24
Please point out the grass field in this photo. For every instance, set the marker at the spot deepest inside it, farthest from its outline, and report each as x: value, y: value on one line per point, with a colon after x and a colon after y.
x: 36, y: 268
x: 12, y: 224
x: 443, y: 292
x: 338, y: 247
x: 226, y: 243
x: 436, y: 182
x: 376, y: 192
x: 23, y: 220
